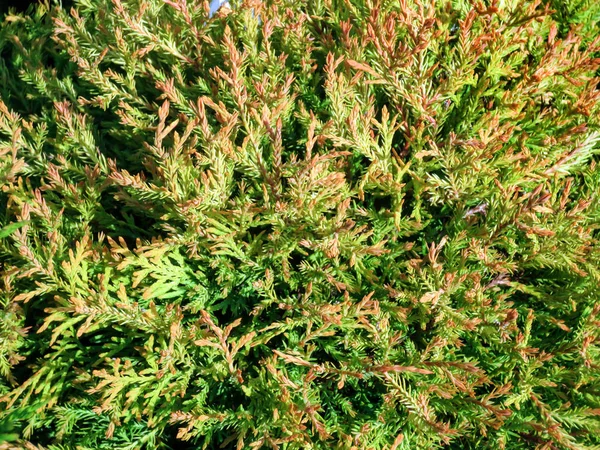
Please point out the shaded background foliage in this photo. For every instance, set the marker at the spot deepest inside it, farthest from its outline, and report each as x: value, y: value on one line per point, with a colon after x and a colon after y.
x: 16, y: 5
x: 22, y: 6
x: 321, y: 224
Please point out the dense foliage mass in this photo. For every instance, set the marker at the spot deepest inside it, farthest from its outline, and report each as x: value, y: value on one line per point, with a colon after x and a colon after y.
x: 300, y: 224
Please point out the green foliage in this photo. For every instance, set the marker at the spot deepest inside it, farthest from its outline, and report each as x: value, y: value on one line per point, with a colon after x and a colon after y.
x: 300, y: 225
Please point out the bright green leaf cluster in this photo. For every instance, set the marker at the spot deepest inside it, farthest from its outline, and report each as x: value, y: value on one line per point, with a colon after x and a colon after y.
x: 320, y: 224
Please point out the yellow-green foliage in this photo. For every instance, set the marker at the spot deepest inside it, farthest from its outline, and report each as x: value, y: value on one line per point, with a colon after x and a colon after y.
x: 319, y: 224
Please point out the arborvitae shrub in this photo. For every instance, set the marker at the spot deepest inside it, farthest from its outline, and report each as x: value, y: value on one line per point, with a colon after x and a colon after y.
x: 300, y: 224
